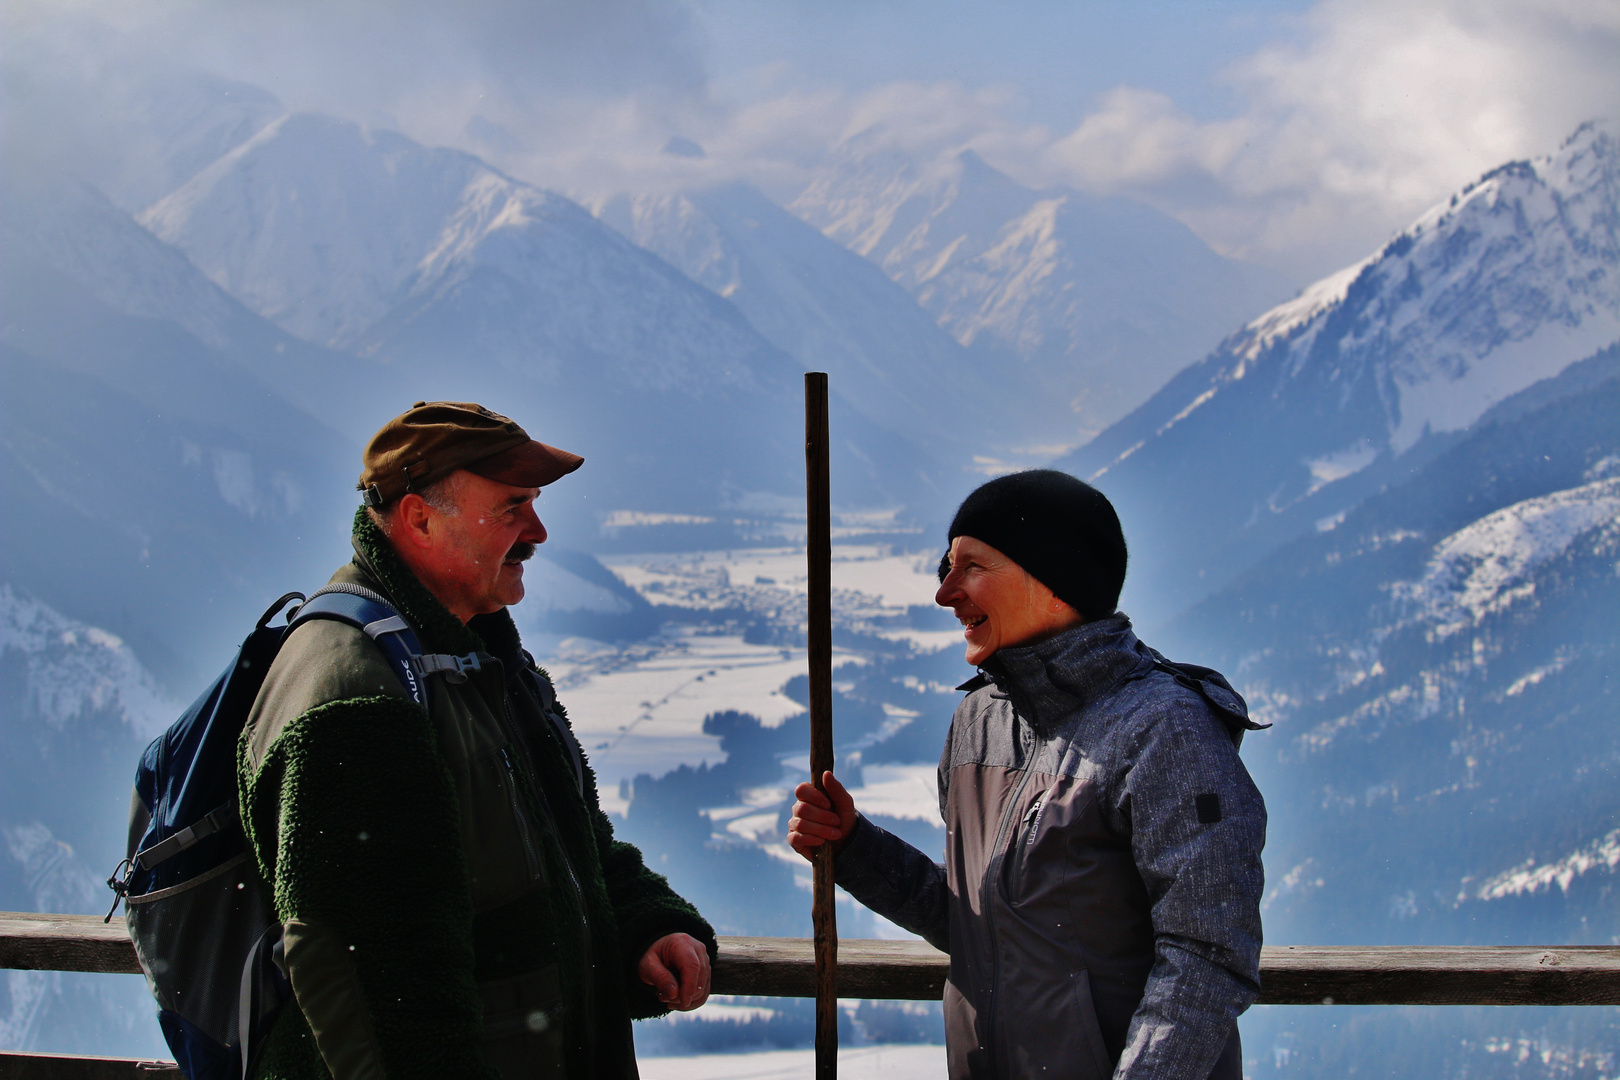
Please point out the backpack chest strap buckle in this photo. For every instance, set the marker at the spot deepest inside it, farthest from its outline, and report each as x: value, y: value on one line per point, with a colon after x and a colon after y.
x: 453, y: 668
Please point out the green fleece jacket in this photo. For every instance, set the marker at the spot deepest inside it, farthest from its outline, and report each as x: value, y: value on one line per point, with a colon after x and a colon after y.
x: 454, y: 903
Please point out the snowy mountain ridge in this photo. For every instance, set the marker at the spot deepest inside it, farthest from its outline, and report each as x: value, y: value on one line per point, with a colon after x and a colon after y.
x: 73, y: 670
x: 1288, y: 316
x: 1493, y: 570
x: 815, y: 300
x: 1499, y: 286
x: 442, y: 278
x: 323, y: 263
x: 1485, y: 568
x: 1097, y: 300
x: 1315, y: 405
x: 345, y: 236
x: 71, y: 227
x: 1439, y: 667
x: 1532, y: 877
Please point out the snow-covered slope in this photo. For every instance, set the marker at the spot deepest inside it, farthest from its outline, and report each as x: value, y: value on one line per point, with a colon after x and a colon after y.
x: 156, y: 482
x: 64, y: 223
x: 76, y: 709
x: 1302, y: 412
x: 826, y: 307
x: 1436, y: 665
x: 1096, y: 301
x: 345, y: 236
x: 319, y: 225
x: 70, y: 670
x: 1484, y: 569
x: 459, y: 282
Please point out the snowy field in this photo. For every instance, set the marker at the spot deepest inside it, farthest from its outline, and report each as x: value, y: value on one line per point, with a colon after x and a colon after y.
x: 859, y: 1063
x: 869, y: 582
x: 639, y: 708
x: 900, y: 791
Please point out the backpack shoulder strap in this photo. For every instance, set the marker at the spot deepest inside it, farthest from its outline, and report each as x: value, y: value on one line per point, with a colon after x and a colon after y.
x: 371, y: 613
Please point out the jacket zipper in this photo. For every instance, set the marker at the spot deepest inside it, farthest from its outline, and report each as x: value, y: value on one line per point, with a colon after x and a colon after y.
x: 988, y: 890
x: 530, y: 856
x: 589, y: 1018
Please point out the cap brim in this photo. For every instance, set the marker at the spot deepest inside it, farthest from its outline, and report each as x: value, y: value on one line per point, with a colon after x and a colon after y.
x: 532, y: 464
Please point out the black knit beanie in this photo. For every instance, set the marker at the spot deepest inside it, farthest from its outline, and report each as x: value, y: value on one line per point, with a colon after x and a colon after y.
x: 1063, y: 531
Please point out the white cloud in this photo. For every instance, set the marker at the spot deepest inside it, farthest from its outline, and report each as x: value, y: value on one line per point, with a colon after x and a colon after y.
x: 1354, y: 123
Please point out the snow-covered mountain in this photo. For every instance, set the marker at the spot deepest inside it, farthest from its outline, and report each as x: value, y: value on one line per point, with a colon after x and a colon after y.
x: 321, y: 226
x: 156, y: 485
x: 1323, y: 399
x: 65, y: 224
x: 76, y: 708
x: 1484, y: 569
x: 457, y: 281
x: 1439, y: 667
x: 1094, y: 301
x: 821, y: 304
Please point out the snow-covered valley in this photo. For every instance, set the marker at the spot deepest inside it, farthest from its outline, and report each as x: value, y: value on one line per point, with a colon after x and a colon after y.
x: 639, y: 707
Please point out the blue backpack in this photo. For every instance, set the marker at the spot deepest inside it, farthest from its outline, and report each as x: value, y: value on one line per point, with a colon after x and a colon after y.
x: 198, y: 909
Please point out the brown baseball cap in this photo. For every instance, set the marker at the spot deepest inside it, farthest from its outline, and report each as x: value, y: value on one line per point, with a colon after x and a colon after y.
x: 432, y: 439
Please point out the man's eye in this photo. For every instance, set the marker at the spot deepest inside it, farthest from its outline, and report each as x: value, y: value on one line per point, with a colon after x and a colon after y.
x: 944, y: 566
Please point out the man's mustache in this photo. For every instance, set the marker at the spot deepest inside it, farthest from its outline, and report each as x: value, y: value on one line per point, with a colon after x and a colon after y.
x: 522, y: 551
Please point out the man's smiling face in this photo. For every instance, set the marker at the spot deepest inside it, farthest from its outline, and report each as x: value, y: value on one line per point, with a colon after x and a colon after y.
x: 486, y: 542
x: 470, y: 554
x: 999, y: 603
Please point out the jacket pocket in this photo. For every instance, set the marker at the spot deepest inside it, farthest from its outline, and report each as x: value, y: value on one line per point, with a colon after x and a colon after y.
x: 1048, y: 1024
x: 525, y: 1025
x: 1023, y: 839
x: 1041, y: 857
x: 1086, y: 1011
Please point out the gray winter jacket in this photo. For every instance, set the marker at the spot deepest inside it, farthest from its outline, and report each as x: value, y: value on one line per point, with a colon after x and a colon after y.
x: 1100, y: 899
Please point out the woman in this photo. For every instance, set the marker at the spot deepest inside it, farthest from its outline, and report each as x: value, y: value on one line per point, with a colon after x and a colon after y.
x: 1100, y: 898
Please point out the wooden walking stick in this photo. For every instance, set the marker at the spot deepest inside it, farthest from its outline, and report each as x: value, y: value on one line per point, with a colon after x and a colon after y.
x: 818, y: 551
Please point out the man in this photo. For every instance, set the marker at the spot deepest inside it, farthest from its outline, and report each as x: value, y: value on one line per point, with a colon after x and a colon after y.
x: 453, y: 901
x: 1100, y: 898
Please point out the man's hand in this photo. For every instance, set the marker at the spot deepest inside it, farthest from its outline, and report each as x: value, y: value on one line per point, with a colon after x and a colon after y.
x: 818, y: 819
x: 677, y: 968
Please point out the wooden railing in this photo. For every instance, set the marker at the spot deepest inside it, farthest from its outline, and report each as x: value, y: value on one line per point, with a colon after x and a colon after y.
x: 784, y: 967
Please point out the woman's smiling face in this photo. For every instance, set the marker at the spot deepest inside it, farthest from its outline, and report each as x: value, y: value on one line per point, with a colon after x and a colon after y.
x: 999, y: 603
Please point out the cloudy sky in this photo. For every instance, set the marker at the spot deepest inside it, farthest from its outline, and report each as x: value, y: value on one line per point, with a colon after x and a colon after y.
x: 1291, y: 133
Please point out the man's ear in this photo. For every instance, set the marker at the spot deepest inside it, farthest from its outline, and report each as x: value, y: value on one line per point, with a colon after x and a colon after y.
x: 412, y: 522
